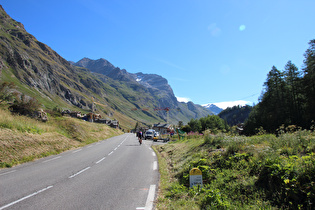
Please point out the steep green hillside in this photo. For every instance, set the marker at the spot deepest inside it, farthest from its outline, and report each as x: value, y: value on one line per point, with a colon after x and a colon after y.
x: 41, y: 73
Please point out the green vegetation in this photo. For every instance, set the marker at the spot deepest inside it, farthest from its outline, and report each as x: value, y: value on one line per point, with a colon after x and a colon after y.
x: 212, y: 123
x: 258, y: 172
x: 236, y: 114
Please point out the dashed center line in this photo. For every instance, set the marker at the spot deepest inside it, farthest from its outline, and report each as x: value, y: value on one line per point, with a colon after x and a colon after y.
x: 100, y: 160
x: 26, y: 197
x: 76, y: 174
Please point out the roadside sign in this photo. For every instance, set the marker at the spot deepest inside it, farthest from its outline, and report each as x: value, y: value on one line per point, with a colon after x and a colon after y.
x: 195, y: 177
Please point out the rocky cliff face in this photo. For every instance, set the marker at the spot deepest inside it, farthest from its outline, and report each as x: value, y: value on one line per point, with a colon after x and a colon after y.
x: 156, y: 84
x: 37, y: 65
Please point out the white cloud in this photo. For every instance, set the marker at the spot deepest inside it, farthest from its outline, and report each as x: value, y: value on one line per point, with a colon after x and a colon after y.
x: 183, y: 99
x: 226, y: 104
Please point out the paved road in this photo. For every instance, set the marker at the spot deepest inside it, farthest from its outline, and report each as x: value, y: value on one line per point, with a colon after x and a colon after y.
x: 116, y: 173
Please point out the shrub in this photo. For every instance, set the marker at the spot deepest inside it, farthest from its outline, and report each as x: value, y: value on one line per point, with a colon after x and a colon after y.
x: 289, y: 181
x: 213, y: 199
x: 25, y: 105
x: 214, y: 140
x: 6, y: 92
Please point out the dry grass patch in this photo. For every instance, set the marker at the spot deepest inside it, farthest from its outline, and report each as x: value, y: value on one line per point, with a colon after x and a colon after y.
x: 23, y: 139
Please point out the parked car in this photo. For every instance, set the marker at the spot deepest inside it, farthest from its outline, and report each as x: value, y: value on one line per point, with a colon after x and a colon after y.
x: 156, y: 136
x: 149, y: 134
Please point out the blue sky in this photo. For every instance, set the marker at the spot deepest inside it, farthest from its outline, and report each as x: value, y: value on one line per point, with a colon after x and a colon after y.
x: 210, y: 51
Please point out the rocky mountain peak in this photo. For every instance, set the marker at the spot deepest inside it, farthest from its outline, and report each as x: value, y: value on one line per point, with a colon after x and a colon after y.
x: 53, y: 79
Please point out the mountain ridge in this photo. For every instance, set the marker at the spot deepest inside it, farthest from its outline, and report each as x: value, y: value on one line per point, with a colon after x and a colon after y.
x: 213, y: 108
x: 42, y: 73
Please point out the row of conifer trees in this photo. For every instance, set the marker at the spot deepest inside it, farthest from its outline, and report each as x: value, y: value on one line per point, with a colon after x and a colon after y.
x: 288, y: 97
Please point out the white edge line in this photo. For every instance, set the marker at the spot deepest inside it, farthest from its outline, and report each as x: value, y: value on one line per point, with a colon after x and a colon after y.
x: 150, y: 199
x: 77, y: 151
x: 9, y: 172
x: 153, y: 154
x: 28, y: 196
x: 155, y: 165
x: 51, y: 159
x: 79, y: 172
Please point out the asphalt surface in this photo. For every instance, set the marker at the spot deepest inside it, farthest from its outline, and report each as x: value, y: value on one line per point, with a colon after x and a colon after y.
x: 116, y: 173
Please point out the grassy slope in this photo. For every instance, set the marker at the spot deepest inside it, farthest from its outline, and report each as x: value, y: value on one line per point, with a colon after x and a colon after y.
x: 23, y: 139
x: 259, y: 172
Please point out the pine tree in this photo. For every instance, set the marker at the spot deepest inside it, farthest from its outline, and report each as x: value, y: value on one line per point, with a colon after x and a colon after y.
x: 309, y: 82
x: 293, y: 93
x: 273, y: 109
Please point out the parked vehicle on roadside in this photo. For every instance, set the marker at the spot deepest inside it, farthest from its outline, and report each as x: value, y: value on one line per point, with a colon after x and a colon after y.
x: 149, y: 134
x: 156, y: 136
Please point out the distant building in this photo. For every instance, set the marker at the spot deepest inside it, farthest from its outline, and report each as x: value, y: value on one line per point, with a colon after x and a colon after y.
x: 162, y: 128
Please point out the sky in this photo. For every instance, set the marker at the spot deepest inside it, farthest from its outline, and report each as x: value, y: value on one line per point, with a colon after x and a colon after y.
x: 210, y: 51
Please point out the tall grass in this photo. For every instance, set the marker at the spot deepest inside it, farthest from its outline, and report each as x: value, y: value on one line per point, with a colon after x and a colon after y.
x: 24, y: 139
x: 23, y: 123
x: 258, y: 172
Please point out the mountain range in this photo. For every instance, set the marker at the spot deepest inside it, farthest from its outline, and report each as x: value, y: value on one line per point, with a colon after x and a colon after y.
x: 213, y: 108
x: 40, y: 72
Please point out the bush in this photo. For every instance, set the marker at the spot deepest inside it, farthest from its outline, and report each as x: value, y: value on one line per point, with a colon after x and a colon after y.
x: 289, y: 181
x: 213, y: 199
x: 6, y: 92
x: 25, y: 105
x: 214, y: 140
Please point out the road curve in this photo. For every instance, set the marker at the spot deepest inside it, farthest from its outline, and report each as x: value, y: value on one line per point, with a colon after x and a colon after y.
x: 116, y: 173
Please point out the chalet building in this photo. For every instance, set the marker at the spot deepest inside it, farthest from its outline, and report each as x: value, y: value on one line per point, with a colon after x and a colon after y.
x: 162, y: 128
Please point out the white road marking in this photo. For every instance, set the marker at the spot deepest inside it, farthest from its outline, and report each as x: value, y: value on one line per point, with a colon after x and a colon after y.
x: 79, y: 172
x: 9, y: 172
x: 77, y: 151
x: 111, y: 152
x: 33, y: 194
x: 51, y: 159
x: 153, y: 153
x: 100, y: 160
x: 150, y: 199
x: 155, y: 165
